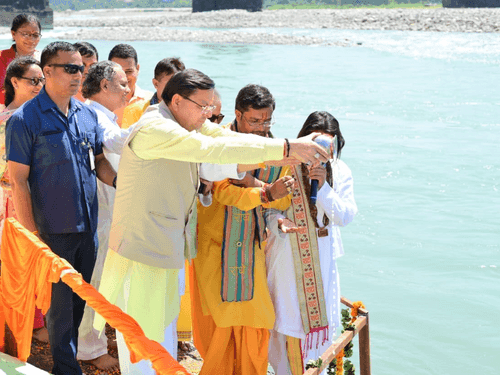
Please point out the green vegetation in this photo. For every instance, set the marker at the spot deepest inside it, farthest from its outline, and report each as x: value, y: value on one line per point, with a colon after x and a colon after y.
x: 347, y: 4
x: 61, y: 5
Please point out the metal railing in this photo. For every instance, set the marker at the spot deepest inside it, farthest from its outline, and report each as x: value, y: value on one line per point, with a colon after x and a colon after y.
x: 361, y: 328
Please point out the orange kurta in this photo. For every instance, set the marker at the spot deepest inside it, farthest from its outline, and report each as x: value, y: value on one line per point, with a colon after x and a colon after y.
x: 232, y: 337
x: 258, y: 312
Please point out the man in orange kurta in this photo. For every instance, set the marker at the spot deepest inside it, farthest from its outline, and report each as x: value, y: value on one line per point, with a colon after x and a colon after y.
x: 233, y: 336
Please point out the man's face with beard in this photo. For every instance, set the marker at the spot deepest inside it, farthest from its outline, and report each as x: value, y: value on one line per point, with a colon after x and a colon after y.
x: 255, y: 121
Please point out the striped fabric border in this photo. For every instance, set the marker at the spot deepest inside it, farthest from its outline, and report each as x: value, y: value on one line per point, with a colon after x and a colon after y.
x: 306, y: 260
x: 241, y: 229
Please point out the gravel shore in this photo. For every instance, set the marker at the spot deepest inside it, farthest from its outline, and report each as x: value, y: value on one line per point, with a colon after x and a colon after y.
x: 169, y: 24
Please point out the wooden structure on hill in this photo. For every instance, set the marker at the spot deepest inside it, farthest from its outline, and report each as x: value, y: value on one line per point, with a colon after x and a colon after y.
x: 40, y: 8
x: 471, y: 3
x: 208, y: 5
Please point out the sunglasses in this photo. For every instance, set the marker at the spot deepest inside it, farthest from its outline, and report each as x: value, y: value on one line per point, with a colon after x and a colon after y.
x: 216, y: 118
x: 70, y: 68
x: 34, y: 81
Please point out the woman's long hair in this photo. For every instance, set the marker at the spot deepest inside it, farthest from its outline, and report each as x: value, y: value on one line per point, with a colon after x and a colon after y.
x: 17, y: 68
x: 321, y: 122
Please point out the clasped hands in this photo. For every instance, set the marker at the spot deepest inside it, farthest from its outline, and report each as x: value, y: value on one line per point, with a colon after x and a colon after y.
x: 279, y: 189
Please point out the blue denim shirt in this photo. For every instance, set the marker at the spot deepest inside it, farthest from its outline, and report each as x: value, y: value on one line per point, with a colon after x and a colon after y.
x: 62, y: 184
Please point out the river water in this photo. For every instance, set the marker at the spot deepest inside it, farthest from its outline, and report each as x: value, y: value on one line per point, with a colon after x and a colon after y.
x: 420, y: 113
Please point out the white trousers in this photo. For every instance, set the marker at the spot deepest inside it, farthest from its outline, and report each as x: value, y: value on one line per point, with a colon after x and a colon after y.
x: 278, y: 356
x: 90, y: 345
x: 144, y: 367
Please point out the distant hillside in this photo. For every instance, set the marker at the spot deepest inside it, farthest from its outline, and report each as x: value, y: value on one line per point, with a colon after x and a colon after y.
x: 60, y: 5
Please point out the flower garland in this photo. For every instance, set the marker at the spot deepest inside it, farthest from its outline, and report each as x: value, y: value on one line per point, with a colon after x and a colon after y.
x: 339, y: 366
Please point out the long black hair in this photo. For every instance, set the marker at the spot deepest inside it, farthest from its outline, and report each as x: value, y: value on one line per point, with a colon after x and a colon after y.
x: 321, y: 122
x: 17, y: 68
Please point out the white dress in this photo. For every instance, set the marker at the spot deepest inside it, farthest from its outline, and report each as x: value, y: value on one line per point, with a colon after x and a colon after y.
x: 339, y: 206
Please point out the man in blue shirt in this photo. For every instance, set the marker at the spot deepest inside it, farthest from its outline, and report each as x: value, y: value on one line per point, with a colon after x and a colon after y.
x: 54, y: 152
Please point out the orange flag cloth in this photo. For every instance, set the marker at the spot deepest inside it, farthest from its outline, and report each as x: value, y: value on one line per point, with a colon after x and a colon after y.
x: 29, y: 268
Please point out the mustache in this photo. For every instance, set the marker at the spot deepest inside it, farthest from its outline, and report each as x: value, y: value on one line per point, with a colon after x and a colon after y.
x: 262, y: 134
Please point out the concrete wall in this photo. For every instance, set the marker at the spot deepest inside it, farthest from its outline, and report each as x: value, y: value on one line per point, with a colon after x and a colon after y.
x: 208, y: 5
x: 40, y: 8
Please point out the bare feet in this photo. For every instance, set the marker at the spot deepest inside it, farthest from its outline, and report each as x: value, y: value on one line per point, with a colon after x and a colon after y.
x: 105, y: 362
x: 41, y: 334
x: 112, y: 343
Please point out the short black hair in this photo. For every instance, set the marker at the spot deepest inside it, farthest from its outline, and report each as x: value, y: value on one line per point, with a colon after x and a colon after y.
x: 22, y: 19
x: 123, y: 51
x: 17, y: 68
x: 185, y: 83
x: 102, y: 70
x: 254, y: 96
x: 169, y: 66
x: 86, y: 49
x: 51, y: 50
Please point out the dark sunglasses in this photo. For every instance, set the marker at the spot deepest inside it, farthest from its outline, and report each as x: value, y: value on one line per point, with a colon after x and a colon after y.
x: 216, y: 118
x: 70, y: 68
x: 34, y: 81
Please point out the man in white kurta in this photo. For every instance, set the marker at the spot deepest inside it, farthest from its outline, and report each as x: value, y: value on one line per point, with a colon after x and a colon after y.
x: 106, y: 89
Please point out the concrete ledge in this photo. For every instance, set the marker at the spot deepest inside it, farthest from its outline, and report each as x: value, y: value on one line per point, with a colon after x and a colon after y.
x: 12, y: 366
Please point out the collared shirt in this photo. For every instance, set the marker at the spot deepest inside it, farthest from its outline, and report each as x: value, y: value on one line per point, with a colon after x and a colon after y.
x: 113, y: 141
x: 57, y: 149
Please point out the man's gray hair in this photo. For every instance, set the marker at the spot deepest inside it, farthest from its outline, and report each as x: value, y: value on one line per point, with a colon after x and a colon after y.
x: 97, y: 72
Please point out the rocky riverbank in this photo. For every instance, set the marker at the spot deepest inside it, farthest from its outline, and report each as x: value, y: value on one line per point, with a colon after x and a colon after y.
x: 171, y: 24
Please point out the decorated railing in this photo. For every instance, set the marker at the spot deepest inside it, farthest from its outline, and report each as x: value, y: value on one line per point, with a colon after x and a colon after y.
x: 354, y: 323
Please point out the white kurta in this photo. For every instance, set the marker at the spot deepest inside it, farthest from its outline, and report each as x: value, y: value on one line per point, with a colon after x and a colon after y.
x: 90, y: 345
x: 339, y: 206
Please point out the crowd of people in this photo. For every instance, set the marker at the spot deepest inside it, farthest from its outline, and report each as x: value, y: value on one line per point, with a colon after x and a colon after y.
x: 161, y: 206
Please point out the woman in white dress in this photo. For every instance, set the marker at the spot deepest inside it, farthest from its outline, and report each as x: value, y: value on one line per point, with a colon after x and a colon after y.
x: 301, y: 333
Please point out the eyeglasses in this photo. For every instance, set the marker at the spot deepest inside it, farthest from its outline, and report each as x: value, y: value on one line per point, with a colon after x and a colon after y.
x: 259, y: 124
x: 205, y: 109
x: 34, y: 81
x: 70, y: 68
x: 216, y: 118
x: 35, y: 36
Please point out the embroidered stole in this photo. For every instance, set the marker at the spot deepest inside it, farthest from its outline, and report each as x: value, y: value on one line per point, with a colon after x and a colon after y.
x: 241, y: 229
x: 307, y: 268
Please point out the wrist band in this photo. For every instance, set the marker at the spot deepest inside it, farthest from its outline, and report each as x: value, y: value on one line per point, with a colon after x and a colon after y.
x: 114, y: 181
x: 269, y: 196
x: 262, y: 165
x: 287, y: 147
x: 263, y: 197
